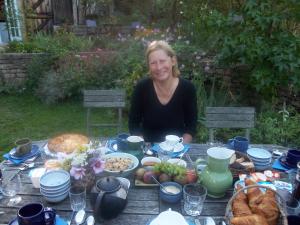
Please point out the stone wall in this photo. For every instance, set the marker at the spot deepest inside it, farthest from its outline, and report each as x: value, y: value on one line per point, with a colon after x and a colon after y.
x: 13, y: 68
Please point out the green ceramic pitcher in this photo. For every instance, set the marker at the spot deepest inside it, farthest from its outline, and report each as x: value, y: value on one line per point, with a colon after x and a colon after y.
x: 216, y: 176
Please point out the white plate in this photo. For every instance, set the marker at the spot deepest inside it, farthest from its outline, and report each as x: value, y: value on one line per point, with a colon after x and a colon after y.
x: 259, y: 153
x: 55, y: 178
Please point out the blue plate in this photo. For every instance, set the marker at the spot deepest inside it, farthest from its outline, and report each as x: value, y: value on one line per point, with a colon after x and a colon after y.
x: 58, y: 221
x: 112, y: 145
x: 155, y: 148
x: 33, y: 151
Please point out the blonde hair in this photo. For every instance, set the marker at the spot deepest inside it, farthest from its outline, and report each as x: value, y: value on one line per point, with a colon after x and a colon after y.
x: 163, y: 45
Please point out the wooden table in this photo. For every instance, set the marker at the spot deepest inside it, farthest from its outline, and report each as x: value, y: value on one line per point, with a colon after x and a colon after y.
x: 143, y: 203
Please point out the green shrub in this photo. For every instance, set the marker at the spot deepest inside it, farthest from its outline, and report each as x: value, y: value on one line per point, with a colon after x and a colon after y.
x: 260, y: 34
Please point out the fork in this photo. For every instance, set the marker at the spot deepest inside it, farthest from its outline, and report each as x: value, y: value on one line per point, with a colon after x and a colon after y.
x: 26, y: 166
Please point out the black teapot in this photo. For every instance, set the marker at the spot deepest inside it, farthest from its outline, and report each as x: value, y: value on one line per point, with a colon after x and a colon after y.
x: 109, y: 197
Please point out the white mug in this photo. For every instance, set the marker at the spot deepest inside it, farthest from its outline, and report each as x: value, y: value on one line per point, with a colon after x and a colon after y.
x: 173, y: 140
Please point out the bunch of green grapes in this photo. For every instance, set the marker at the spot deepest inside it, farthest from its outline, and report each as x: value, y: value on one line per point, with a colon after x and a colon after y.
x: 170, y: 169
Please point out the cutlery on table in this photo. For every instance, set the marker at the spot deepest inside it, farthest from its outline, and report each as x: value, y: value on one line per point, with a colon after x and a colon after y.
x: 90, y: 220
x: 80, y: 217
x: 25, y: 167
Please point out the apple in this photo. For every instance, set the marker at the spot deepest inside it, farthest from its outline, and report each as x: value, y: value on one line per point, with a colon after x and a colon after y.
x: 191, y: 176
x: 181, y: 180
x: 139, y: 174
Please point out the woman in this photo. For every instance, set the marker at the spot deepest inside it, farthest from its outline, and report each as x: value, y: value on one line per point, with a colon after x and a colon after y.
x: 163, y: 103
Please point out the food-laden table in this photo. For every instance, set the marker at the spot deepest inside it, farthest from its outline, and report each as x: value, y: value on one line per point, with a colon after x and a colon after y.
x: 143, y: 202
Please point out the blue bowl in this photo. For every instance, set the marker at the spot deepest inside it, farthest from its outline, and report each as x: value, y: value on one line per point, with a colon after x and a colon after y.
x: 173, y: 197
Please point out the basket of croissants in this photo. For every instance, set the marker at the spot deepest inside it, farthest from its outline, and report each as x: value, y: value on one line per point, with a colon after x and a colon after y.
x: 255, y: 205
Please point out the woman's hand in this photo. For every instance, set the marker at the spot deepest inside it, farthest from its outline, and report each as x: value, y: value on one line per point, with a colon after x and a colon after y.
x: 187, y: 138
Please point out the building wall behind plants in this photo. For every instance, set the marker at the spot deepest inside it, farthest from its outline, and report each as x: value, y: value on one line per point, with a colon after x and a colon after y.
x: 13, y: 69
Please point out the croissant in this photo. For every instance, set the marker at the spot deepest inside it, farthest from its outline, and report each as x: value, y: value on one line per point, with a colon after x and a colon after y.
x: 268, y: 208
x: 240, y: 204
x: 254, y: 195
x: 253, y: 219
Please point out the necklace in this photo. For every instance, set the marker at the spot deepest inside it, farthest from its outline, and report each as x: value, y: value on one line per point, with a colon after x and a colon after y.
x: 165, y: 91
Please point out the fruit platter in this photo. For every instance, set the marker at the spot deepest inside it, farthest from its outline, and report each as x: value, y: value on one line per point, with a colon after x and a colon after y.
x: 164, y: 172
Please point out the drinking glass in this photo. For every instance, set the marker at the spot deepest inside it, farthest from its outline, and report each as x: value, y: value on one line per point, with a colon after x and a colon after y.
x: 164, y: 155
x: 11, y: 185
x: 194, y: 196
x: 1, y: 184
x: 292, y: 206
x: 77, y: 198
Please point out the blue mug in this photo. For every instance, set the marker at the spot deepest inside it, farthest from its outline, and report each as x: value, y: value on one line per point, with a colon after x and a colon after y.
x: 122, y: 142
x: 36, y: 214
x: 238, y: 143
x: 293, y: 157
x: 293, y: 220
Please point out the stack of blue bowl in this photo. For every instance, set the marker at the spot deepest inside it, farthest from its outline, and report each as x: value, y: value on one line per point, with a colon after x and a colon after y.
x: 261, y: 158
x: 55, y: 185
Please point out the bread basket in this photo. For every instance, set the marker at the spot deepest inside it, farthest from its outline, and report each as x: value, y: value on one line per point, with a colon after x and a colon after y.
x: 282, y: 220
x: 236, y: 172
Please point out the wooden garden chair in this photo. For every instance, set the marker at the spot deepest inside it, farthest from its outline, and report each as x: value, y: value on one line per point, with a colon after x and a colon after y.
x: 104, y: 99
x: 229, y: 117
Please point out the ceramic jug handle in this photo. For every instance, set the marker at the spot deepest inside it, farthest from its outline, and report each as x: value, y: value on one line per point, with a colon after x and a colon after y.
x: 200, y: 164
x: 99, y: 200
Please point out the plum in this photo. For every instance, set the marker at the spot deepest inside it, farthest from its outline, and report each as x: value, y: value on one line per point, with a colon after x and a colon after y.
x: 148, y: 177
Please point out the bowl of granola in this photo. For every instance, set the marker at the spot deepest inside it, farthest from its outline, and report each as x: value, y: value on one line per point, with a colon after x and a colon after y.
x: 120, y: 164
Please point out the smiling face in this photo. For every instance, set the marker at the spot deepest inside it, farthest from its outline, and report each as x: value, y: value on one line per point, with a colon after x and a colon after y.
x: 161, y: 65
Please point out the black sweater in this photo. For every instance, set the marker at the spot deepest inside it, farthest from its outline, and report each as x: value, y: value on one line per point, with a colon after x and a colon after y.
x: 149, y: 118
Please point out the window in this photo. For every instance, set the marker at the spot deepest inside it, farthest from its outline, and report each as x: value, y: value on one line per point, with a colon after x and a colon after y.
x: 13, y: 20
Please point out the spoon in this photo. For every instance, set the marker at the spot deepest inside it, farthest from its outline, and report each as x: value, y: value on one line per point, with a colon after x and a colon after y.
x: 162, y: 186
x: 90, y: 220
x: 80, y: 217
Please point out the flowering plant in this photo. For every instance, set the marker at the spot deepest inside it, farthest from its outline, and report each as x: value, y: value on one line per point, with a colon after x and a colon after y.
x: 85, y: 163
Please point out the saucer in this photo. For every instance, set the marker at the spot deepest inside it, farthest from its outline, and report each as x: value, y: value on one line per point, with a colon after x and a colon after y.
x: 34, y: 150
x: 178, y: 148
x: 165, y: 146
x: 285, y: 163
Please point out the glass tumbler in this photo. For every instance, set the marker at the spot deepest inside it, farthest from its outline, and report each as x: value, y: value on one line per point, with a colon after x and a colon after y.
x: 77, y: 196
x: 194, y: 196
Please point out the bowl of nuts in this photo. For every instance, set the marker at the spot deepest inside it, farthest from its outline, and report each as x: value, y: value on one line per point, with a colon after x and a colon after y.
x: 120, y: 164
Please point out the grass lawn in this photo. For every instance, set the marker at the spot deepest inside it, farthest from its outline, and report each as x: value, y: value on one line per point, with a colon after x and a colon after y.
x: 25, y: 116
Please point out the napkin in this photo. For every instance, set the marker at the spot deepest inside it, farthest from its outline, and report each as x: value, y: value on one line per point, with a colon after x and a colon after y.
x: 277, y: 165
x: 34, y: 152
x: 156, y: 148
x: 60, y: 221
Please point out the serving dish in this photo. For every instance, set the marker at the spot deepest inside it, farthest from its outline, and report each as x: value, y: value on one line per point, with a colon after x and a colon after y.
x: 121, y: 173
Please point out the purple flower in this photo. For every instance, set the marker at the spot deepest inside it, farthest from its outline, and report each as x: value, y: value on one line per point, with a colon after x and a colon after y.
x: 98, y: 165
x: 77, y: 172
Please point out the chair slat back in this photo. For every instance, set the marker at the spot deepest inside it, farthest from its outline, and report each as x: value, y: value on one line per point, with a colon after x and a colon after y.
x: 229, y: 117
x: 104, y: 99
